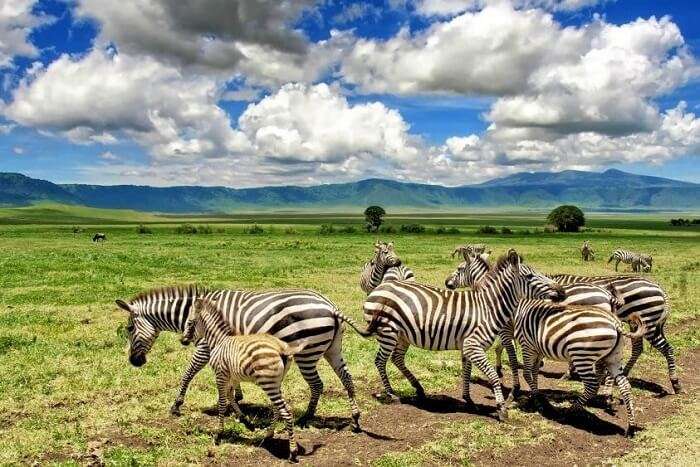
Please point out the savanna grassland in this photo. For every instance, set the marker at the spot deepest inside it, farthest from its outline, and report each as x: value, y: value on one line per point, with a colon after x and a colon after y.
x: 69, y: 395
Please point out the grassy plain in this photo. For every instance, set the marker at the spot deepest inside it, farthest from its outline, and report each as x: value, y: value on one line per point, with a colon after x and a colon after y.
x: 68, y: 394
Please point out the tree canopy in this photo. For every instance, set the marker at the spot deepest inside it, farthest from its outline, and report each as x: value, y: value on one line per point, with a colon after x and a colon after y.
x: 373, y: 217
x: 567, y: 218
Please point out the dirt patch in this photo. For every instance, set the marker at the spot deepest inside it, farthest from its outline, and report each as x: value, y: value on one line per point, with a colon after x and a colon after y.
x: 580, y: 438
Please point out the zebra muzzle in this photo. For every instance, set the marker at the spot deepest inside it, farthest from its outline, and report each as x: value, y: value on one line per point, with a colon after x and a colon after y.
x: 137, y: 359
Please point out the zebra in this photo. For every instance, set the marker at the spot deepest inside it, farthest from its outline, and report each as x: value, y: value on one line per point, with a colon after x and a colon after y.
x: 291, y: 315
x: 385, y: 266
x: 408, y: 313
x: 471, y: 273
x: 586, y: 336
x: 469, y: 249
x: 99, y: 236
x: 638, y: 261
x: 587, y: 253
x: 642, y: 298
x: 259, y: 358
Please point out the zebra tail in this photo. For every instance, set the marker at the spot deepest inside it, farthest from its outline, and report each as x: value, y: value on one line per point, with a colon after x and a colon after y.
x: 641, y: 329
x: 290, y: 350
x: 363, y: 332
x: 617, y: 299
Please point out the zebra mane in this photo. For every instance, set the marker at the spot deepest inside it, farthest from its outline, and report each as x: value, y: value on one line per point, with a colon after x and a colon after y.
x: 170, y: 292
x: 499, y: 265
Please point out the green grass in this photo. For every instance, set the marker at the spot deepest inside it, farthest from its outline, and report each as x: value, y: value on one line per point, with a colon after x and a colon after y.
x: 66, y: 382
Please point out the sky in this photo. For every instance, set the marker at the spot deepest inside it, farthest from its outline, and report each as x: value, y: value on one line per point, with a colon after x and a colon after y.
x: 247, y: 93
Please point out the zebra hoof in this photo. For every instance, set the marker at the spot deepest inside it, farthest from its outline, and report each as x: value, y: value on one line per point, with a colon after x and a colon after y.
x: 175, y: 410
x: 387, y: 397
x: 677, y: 389
x: 356, y: 423
x: 631, y: 430
x: 502, y: 414
x: 293, y: 459
x: 304, y: 421
x: 420, y: 393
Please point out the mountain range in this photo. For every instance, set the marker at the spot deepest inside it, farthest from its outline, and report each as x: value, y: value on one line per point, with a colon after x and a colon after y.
x: 609, y: 190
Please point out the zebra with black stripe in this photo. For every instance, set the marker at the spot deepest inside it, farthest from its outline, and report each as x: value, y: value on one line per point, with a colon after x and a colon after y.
x: 385, y: 266
x: 587, y: 253
x: 639, y: 262
x: 259, y: 358
x: 469, y: 249
x: 644, y: 299
x: 291, y: 315
x: 405, y: 313
x: 586, y: 336
x: 471, y: 273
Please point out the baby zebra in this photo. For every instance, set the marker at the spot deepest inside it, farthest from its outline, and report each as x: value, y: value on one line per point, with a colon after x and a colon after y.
x: 98, y: 237
x: 385, y: 266
x: 638, y: 261
x: 587, y: 253
x: 587, y: 337
x: 470, y: 249
x: 259, y: 358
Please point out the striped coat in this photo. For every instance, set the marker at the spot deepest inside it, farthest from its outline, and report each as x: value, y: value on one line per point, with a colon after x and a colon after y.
x: 638, y: 262
x: 385, y: 266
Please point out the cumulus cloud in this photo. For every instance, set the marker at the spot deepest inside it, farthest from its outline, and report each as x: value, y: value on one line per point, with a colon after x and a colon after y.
x: 105, y: 95
x: 454, y: 7
x: 16, y: 22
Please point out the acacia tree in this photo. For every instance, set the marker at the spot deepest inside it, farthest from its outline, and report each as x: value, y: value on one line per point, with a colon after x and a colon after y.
x: 567, y: 218
x: 373, y: 218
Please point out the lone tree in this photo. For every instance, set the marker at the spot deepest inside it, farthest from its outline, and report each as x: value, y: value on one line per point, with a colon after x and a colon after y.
x: 373, y: 217
x: 567, y: 218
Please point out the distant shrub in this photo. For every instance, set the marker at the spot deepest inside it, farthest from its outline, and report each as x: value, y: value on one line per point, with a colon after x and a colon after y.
x: 388, y: 229
x: 326, y: 229
x: 442, y: 230
x: 524, y: 232
x: 695, y: 221
x: 142, y: 229
x: 77, y: 230
x: 220, y: 230
x: 254, y: 229
x: 412, y: 228
x: 487, y: 230
x: 680, y: 222
x: 506, y: 231
x: 205, y: 229
x: 348, y: 229
x: 290, y: 231
x: 453, y: 231
x: 186, y: 229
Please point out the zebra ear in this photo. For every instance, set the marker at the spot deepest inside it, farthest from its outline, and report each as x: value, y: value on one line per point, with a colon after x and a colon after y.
x: 513, y: 257
x: 123, y: 305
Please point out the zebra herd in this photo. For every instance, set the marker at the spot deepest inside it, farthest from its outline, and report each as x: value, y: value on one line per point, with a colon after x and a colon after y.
x: 253, y: 336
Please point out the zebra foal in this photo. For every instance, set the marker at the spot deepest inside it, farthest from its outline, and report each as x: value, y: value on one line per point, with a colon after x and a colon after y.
x: 587, y: 253
x: 384, y: 266
x: 258, y: 358
x: 402, y: 314
x: 590, y: 339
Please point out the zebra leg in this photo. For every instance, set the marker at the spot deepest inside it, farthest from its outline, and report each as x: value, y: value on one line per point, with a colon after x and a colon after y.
x: 199, y: 361
x: 222, y: 387
x: 307, y: 367
x: 466, y: 378
x: 398, y: 357
x: 637, y: 348
x: 587, y: 372
x: 507, y: 339
x: 660, y: 343
x: 606, y: 381
x: 476, y: 354
x: 387, y: 343
x: 274, y: 392
x: 498, y: 350
x: 617, y: 261
x: 334, y: 357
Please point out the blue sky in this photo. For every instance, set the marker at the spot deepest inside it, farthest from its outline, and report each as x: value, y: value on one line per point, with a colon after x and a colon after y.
x: 442, y: 91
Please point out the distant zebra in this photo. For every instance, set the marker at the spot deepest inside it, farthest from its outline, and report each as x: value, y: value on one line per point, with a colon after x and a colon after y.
x: 99, y: 236
x: 587, y: 337
x: 291, y: 315
x: 385, y: 266
x: 470, y: 249
x: 642, y: 298
x: 587, y: 253
x: 470, y: 274
x: 406, y: 313
x: 258, y: 358
x: 638, y: 261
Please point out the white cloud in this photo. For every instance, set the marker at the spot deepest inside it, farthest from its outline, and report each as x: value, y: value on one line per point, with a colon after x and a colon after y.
x: 104, y: 95
x: 16, y: 22
x: 317, y: 124
x: 18, y: 150
x: 454, y: 7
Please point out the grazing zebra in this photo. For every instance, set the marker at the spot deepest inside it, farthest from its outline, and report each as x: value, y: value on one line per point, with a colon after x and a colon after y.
x: 407, y: 313
x: 470, y: 249
x: 291, y: 315
x: 637, y: 261
x: 259, y: 358
x: 99, y: 236
x: 644, y: 299
x: 587, y: 337
x: 471, y: 273
x: 385, y: 266
x: 587, y: 253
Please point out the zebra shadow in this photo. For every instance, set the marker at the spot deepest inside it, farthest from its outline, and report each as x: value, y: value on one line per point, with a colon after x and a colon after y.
x: 580, y: 419
x: 658, y: 390
x: 441, y: 403
x: 261, y: 415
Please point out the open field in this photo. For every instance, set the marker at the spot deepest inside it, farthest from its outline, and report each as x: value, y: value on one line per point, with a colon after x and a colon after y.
x: 69, y: 395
